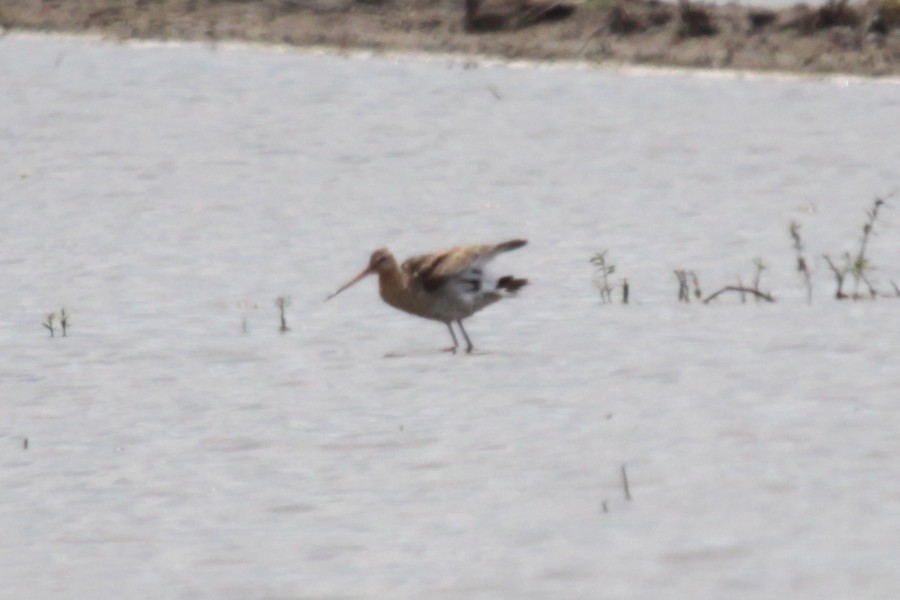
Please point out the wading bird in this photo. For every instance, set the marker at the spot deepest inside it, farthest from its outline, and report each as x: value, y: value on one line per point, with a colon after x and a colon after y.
x: 447, y: 286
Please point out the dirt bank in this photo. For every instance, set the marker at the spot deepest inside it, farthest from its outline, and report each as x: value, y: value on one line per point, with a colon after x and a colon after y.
x: 861, y: 39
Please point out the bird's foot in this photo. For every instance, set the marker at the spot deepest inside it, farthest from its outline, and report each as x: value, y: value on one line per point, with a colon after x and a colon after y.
x: 451, y: 350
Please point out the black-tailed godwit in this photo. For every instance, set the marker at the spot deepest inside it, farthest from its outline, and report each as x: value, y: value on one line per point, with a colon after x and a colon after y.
x: 446, y: 286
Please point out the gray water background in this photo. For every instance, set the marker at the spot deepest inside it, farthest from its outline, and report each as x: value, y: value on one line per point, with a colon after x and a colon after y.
x: 168, y: 194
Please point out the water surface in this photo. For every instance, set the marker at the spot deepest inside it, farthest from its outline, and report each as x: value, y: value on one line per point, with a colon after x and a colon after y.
x: 166, y: 195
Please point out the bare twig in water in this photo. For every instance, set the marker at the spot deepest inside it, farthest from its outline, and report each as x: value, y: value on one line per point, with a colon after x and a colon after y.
x: 839, y: 275
x: 760, y: 267
x: 685, y: 279
x: 802, y: 266
x: 696, y: 281
x: 683, y: 293
x: 64, y: 320
x: 743, y: 290
x: 625, y: 483
x: 625, y: 291
x: 245, y: 306
x: 868, y: 226
x: 49, y: 324
x: 281, y: 302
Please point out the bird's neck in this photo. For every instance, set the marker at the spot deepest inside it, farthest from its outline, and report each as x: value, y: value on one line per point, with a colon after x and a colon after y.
x: 391, y: 286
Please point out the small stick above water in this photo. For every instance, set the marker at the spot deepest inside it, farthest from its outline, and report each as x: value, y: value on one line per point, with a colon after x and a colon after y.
x: 742, y: 290
x: 281, y: 302
x: 64, y: 320
x: 49, y: 324
x: 625, y: 483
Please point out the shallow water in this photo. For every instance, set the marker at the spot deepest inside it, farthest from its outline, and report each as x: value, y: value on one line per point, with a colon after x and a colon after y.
x: 167, y: 194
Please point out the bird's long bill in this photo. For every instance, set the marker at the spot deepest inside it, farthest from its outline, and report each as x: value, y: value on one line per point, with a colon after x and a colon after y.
x: 366, y: 272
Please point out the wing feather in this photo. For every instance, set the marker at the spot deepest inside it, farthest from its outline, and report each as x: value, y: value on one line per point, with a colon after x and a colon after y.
x: 432, y: 271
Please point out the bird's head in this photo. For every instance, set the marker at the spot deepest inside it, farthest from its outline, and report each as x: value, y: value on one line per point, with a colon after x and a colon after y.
x: 381, y: 261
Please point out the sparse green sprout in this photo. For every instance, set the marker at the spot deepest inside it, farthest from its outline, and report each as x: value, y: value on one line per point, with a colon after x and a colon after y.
x: 859, y: 269
x: 602, y: 272
x: 858, y: 266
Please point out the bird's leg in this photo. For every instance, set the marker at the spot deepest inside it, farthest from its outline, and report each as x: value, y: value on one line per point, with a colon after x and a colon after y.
x: 469, y: 346
x: 455, y: 343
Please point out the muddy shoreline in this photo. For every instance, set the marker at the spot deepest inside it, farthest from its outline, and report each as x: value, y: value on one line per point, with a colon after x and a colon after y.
x: 837, y: 37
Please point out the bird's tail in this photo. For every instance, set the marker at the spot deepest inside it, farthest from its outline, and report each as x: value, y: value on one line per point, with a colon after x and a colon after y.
x: 511, y: 284
x: 510, y: 245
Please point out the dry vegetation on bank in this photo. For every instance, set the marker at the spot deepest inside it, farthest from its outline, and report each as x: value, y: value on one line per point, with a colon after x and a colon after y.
x: 838, y: 36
